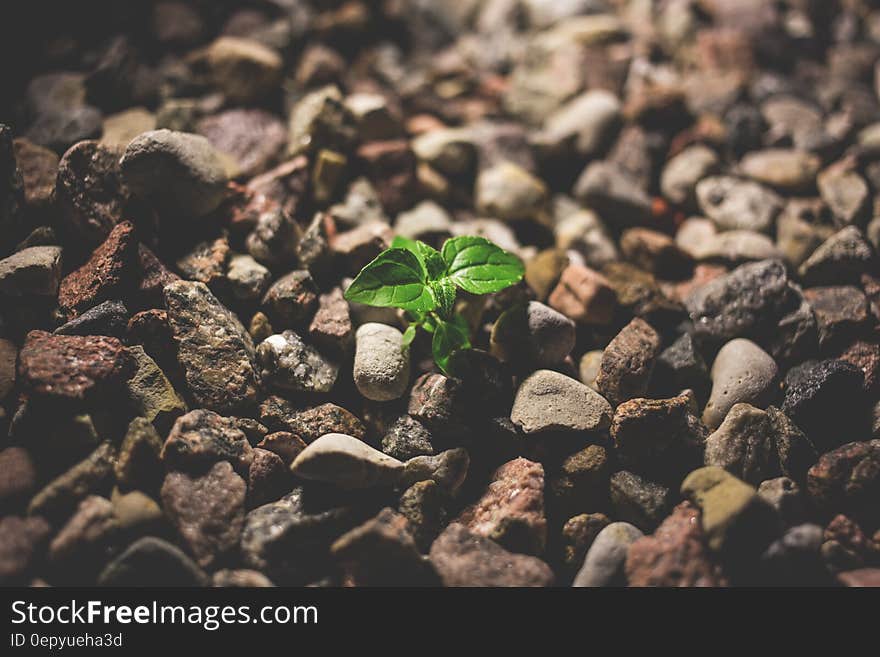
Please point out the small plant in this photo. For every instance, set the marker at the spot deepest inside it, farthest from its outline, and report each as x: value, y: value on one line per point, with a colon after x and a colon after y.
x: 423, y: 281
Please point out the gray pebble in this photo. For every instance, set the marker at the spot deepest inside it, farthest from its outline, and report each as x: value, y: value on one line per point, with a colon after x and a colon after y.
x: 603, y: 565
x: 550, y: 401
x: 346, y: 462
x: 381, y: 362
x: 742, y: 372
x: 180, y: 173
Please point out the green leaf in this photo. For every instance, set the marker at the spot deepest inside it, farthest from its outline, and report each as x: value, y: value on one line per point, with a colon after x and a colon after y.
x: 478, y: 266
x: 396, y: 278
x: 430, y: 257
x: 409, y: 335
x: 444, y: 293
x: 448, y: 339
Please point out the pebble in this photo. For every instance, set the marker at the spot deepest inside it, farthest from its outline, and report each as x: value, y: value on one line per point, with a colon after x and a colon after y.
x: 60, y: 130
x: 60, y: 497
x: 846, y: 480
x: 346, y: 462
x: 289, y: 540
x: 786, y: 498
x: 138, y: 461
x: 151, y: 393
x: 331, y: 327
x: 588, y: 368
x: 108, y: 318
x: 742, y: 372
x: 447, y: 469
x: 846, y: 193
x: 18, y: 477
x: 252, y: 138
x: 382, y: 552
x: 21, y: 543
x: 284, y: 444
x: 292, y: 299
x: 746, y: 302
x: 735, y: 519
x: 152, y: 561
x: 32, y: 271
x: 206, y: 262
x: 735, y: 247
x: 755, y: 445
x: 640, y: 294
x: 104, y: 275
x: 213, y: 347
x: 839, y: 260
x: 787, y: 170
x: 674, y: 555
x: 202, y: 437
x: 381, y: 362
x: 207, y: 510
x: 407, y: 438
x: 424, y: 506
x: 137, y: 513
x: 818, y: 394
x: 605, y: 561
x: 544, y: 270
x: 73, y: 368
x: 655, y: 252
x: 735, y: 204
x: 450, y: 151
x: 550, y: 401
x: 438, y: 402
x: 660, y: 438
x: 613, y: 194
x: 248, y: 279
x: 639, y: 501
x: 39, y: 170
x: 681, y: 366
x: 628, y: 361
x: 320, y: 120
x: 510, y: 193
x: 584, y: 295
x: 82, y: 545
x: 532, y: 334
x: 463, y: 558
x: 680, y: 176
x: 290, y: 365
x: 581, y: 482
x: 584, y: 125
x: 310, y: 423
x: 244, y: 70
x: 578, y: 534
x: 268, y: 478
x: 120, y: 128
x: 841, y: 313
x: 794, y: 559
x: 180, y: 173
x: 511, y: 511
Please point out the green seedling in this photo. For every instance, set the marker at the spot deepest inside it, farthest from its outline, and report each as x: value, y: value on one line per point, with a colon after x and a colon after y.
x: 424, y: 282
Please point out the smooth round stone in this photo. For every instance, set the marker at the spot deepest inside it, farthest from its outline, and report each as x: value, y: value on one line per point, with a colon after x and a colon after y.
x: 682, y: 173
x: 738, y: 246
x: 742, y: 372
x: 509, y: 192
x: 604, y: 563
x: 178, y: 172
x: 346, y: 462
x: 533, y: 333
x: 738, y: 204
x: 784, y: 169
x: 587, y: 122
x: 550, y: 401
x: 381, y: 362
